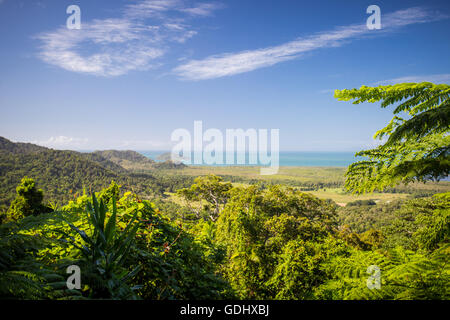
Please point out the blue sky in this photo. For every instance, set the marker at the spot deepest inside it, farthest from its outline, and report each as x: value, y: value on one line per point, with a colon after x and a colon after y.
x: 138, y: 70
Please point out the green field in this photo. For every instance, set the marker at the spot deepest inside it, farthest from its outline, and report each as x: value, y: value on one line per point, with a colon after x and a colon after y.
x: 332, y: 179
x: 341, y: 197
x: 300, y: 175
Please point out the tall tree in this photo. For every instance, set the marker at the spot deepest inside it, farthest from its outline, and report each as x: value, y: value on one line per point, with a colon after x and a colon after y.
x: 28, y: 201
x: 416, y: 141
x: 210, y: 189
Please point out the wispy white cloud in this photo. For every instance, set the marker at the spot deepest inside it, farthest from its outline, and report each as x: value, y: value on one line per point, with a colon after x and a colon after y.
x: 203, y: 9
x: 228, y: 64
x: 141, y: 144
x: 151, y: 8
x: 159, y: 8
x: 435, y: 78
x: 63, y: 142
x: 116, y: 46
x: 120, y: 44
x: 75, y: 143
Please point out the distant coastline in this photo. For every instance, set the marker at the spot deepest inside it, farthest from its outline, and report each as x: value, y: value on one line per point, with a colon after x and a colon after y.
x: 292, y: 158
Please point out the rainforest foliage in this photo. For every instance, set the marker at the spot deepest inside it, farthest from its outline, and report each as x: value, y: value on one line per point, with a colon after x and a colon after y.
x: 263, y: 243
x: 417, y: 140
x: 108, y: 215
x: 65, y: 174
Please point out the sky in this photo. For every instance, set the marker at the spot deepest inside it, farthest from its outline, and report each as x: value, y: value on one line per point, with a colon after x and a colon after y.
x: 139, y: 69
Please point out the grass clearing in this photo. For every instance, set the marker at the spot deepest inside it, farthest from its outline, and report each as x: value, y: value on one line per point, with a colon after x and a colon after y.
x: 299, y: 176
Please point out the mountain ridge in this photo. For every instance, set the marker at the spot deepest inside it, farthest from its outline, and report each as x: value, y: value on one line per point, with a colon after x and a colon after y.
x: 62, y: 173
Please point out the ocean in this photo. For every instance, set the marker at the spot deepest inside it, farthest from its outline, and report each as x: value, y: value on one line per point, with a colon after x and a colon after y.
x: 294, y: 158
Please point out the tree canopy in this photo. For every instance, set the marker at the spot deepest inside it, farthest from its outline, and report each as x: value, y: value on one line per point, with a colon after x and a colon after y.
x: 416, y: 141
x: 28, y: 201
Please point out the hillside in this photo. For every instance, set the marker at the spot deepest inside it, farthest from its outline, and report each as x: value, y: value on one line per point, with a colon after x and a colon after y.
x: 19, y: 147
x: 134, y: 161
x: 61, y: 174
x: 127, y: 159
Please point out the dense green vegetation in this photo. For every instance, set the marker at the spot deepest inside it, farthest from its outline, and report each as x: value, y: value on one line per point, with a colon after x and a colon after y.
x: 323, y: 182
x: 418, y: 142
x: 27, y: 203
x: 65, y: 174
x: 125, y: 249
x: 108, y: 213
x: 243, y: 242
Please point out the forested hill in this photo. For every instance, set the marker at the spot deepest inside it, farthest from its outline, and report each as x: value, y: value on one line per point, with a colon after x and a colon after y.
x: 12, y: 147
x: 126, y: 159
x: 127, y: 155
x: 134, y: 161
x: 62, y: 173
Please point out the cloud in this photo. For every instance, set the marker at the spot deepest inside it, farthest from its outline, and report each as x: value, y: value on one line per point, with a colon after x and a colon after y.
x: 158, y: 8
x: 141, y: 144
x: 435, y: 78
x: 116, y: 46
x: 228, y: 64
x: 203, y: 9
x: 63, y: 142
x: 74, y: 143
x: 151, y: 8
x: 121, y: 47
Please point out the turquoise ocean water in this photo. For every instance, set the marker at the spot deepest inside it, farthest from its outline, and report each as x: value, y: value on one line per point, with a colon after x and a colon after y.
x: 296, y: 158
